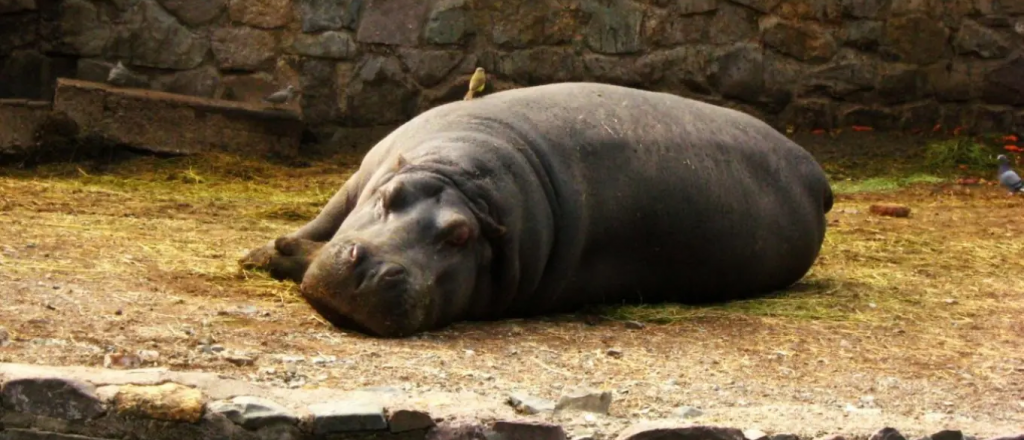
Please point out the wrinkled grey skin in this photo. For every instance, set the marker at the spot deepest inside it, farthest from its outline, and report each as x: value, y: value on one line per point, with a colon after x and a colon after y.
x: 544, y: 199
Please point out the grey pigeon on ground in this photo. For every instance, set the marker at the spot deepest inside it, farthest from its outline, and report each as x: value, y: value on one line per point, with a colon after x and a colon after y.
x: 119, y: 75
x: 281, y: 96
x: 1007, y: 177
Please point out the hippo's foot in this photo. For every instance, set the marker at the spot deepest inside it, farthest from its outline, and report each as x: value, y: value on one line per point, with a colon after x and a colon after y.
x: 285, y: 258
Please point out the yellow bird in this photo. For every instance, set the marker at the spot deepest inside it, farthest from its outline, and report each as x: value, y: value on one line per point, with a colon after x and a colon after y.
x: 476, y: 83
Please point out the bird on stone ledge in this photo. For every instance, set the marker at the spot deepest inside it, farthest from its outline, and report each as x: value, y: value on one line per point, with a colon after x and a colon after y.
x: 281, y: 96
x: 476, y: 83
x: 119, y: 75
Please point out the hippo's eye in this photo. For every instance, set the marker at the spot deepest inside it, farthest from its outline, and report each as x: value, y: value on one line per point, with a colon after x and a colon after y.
x: 457, y: 234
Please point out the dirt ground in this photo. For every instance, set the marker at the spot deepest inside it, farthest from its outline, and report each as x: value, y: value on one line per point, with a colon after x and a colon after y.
x: 902, y: 320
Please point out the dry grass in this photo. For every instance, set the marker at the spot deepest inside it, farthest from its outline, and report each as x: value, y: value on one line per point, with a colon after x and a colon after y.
x: 922, y: 313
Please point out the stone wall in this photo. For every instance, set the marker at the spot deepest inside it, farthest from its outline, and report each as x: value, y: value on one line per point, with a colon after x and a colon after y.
x: 39, y: 402
x: 810, y: 63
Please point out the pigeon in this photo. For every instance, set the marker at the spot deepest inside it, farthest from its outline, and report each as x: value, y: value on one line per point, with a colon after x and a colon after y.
x: 281, y: 96
x: 119, y: 75
x: 1009, y: 178
x: 476, y: 83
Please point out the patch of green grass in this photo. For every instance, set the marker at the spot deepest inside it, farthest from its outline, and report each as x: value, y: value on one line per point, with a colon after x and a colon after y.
x: 884, y: 183
x: 949, y: 153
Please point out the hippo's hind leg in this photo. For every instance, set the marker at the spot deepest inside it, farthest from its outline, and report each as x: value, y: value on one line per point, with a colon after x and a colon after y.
x: 288, y: 256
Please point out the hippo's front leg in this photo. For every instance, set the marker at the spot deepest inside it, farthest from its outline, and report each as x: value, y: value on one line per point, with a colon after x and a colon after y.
x: 288, y: 256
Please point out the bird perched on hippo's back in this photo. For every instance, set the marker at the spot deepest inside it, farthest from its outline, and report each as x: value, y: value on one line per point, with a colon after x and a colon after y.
x: 476, y: 83
x: 1008, y: 178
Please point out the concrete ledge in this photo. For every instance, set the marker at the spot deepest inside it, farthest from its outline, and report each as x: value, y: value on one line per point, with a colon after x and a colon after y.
x: 180, y: 124
x: 19, y: 120
x: 41, y: 402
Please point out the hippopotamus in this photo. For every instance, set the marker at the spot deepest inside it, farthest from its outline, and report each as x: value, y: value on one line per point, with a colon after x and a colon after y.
x: 545, y: 199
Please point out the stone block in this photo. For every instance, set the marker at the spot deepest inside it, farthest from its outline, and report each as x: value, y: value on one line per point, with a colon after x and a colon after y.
x: 17, y: 31
x: 914, y: 39
x: 614, y: 26
x: 864, y: 8
x: 20, y: 122
x: 849, y: 73
x: 862, y: 34
x: 346, y: 416
x: 817, y: 10
x: 243, y: 48
x: 429, y: 67
x: 379, y: 93
x: 900, y: 83
x: 331, y: 44
x: 921, y: 116
x: 170, y: 123
x: 54, y: 397
x: 253, y: 412
x: 528, y: 23
x: 804, y: 41
x: 170, y: 402
x: 392, y: 22
x: 527, y: 430
x: 973, y: 38
x: 152, y: 37
x: 763, y: 6
x: 265, y: 14
x: 739, y: 73
x: 732, y: 24
x: 877, y: 118
x: 78, y: 29
x: 402, y: 420
x: 329, y: 15
x: 1003, y: 85
x: 448, y: 22
x: 194, y: 12
x: 26, y: 434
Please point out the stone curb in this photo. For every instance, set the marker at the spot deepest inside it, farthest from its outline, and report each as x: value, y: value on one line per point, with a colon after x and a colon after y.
x: 78, y: 403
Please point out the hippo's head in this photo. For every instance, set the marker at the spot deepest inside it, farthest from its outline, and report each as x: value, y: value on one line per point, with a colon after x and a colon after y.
x: 406, y: 259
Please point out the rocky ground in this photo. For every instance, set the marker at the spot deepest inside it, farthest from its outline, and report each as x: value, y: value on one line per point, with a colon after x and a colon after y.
x: 906, y: 322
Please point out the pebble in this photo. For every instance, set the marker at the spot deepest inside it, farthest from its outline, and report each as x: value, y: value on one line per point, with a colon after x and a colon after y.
x: 530, y: 405
x: 614, y: 352
x: 239, y: 360
x: 634, y: 325
x: 585, y: 400
x: 148, y: 355
x: 5, y: 337
x: 687, y: 412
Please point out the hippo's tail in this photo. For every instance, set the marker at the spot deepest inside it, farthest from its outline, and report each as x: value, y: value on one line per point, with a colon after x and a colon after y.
x: 829, y: 198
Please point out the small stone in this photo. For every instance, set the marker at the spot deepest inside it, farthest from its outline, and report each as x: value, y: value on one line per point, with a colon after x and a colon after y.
x: 216, y: 348
x: 585, y: 400
x: 120, y: 361
x: 5, y: 337
x: 148, y: 355
x: 755, y: 434
x: 687, y: 412
x: 402, y: 420
x: 347, y: 416
x: 253, y: 412
x: 527, y: 430
x: 169, y: 401
x: 58, y: 398
x: 530, y: 405
x: 240, y: 360
x: 670, y: 430
x: 614, y: 352
x: 634, y: 325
